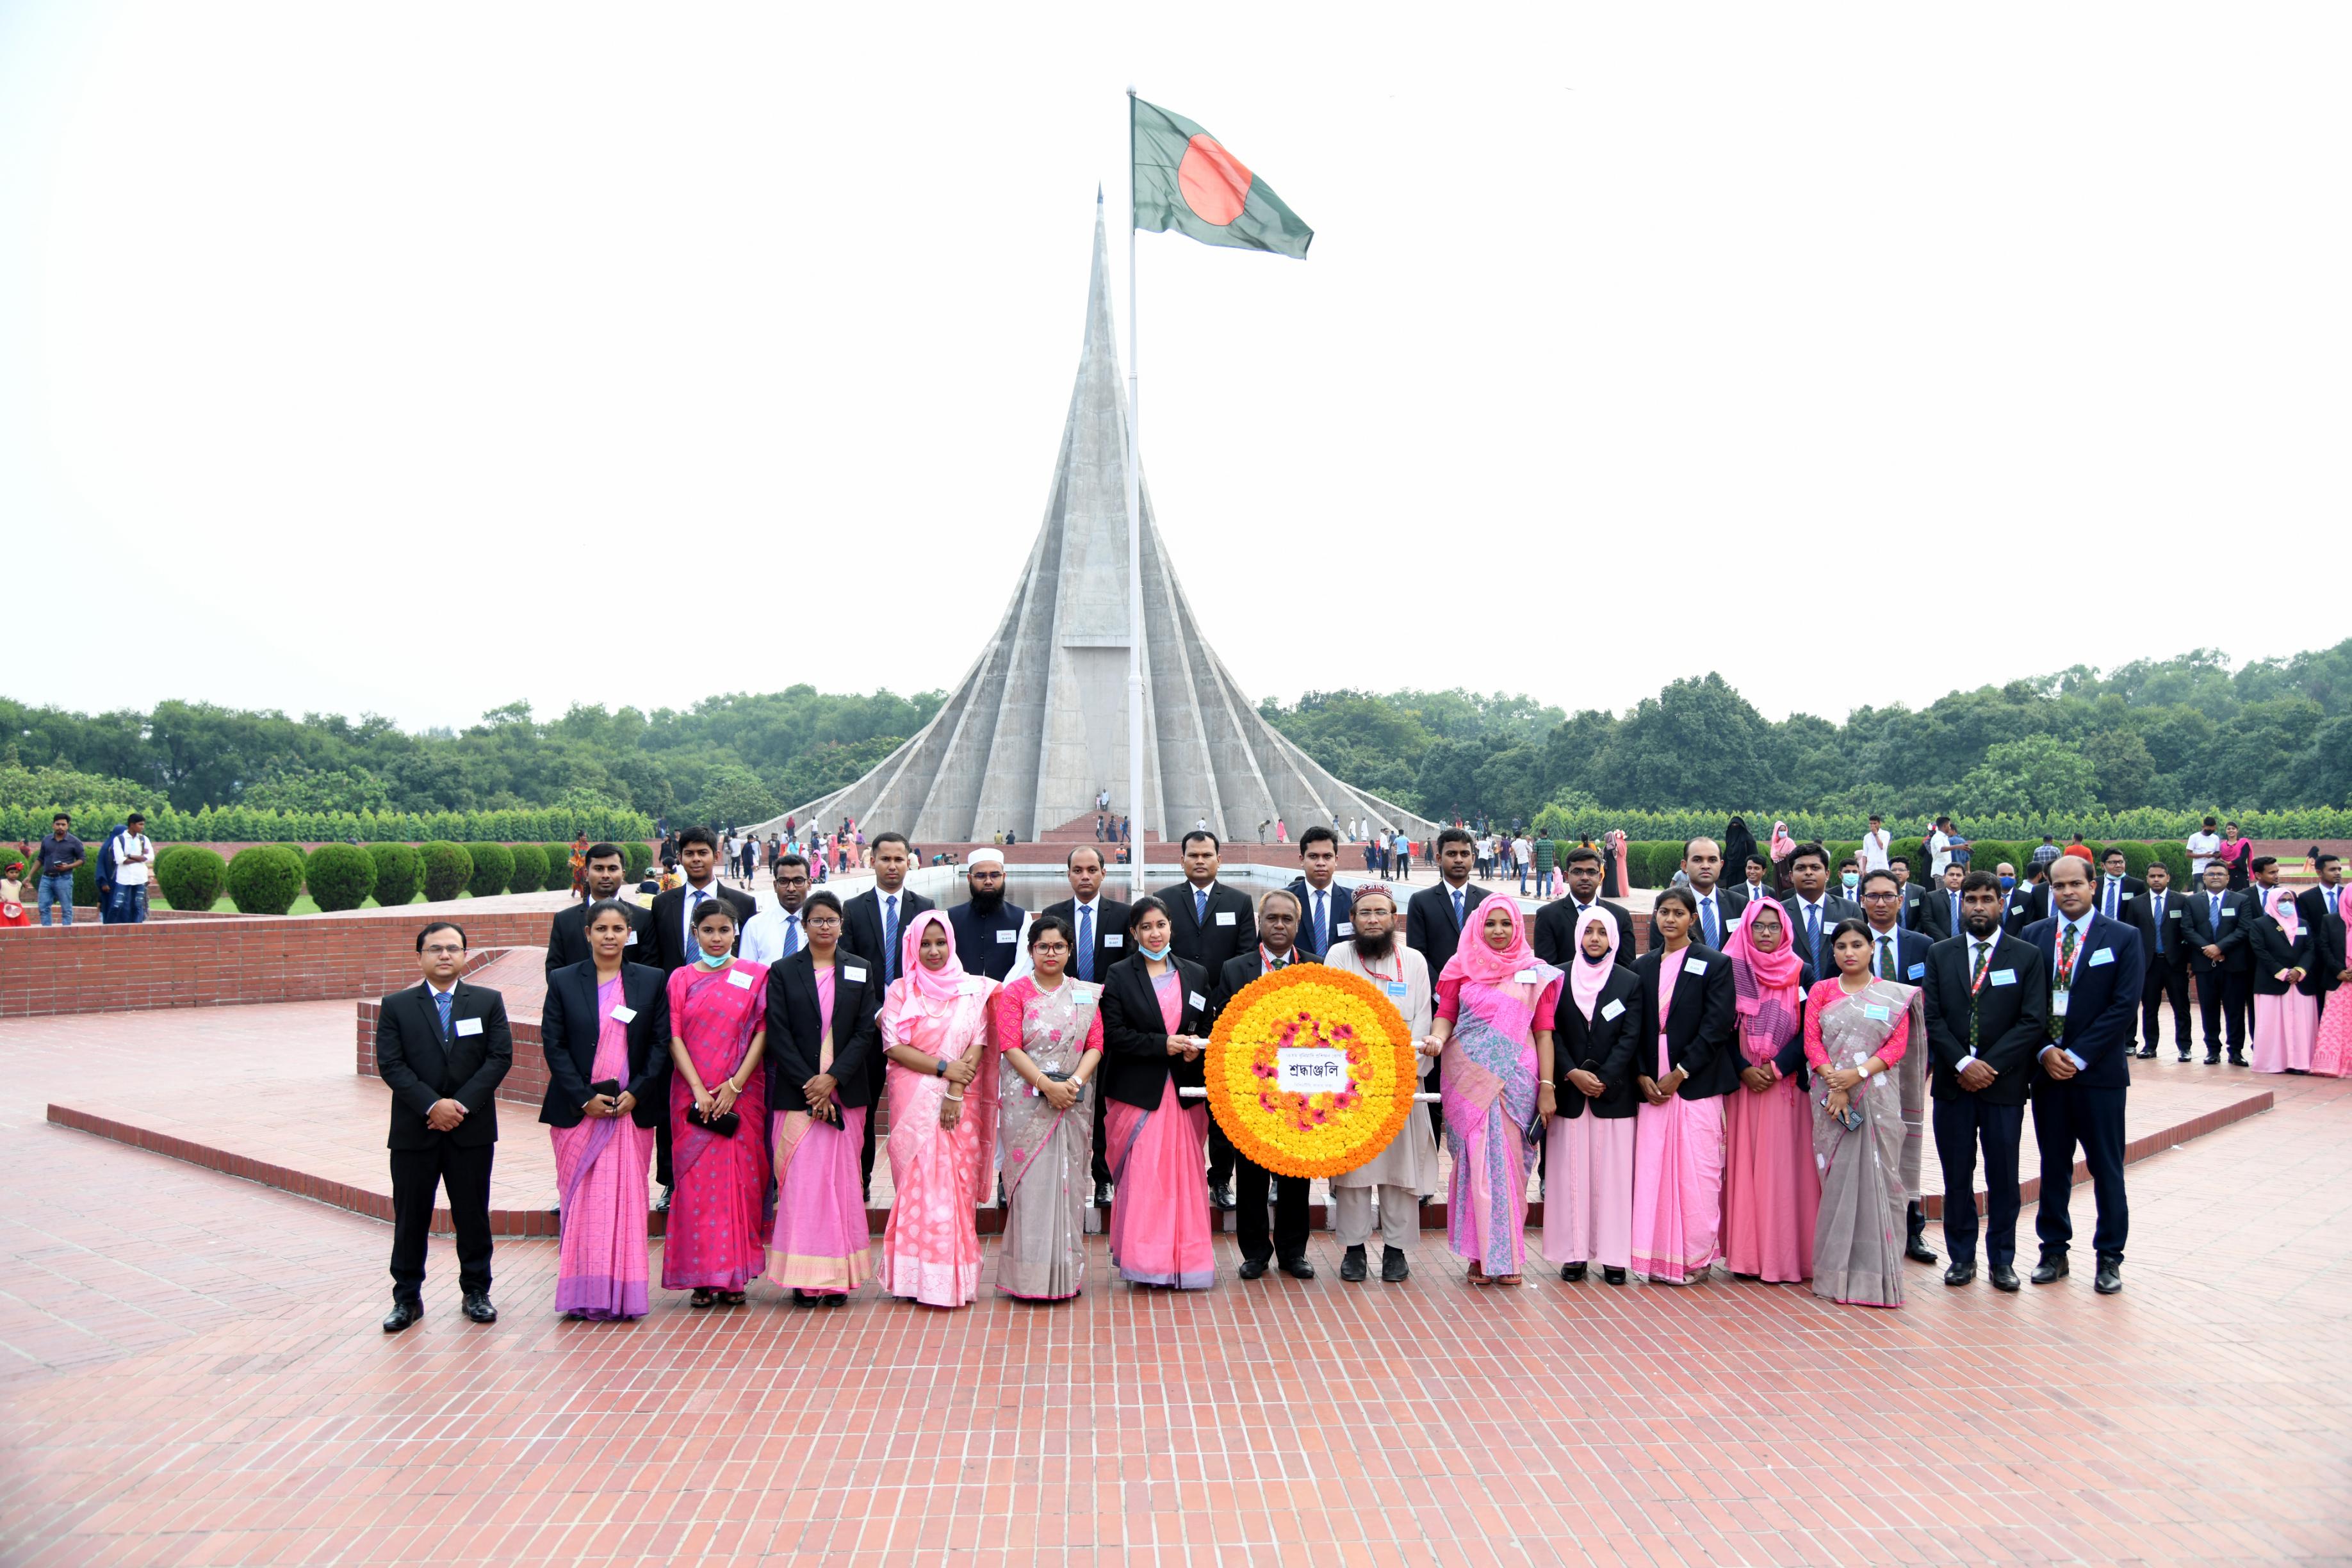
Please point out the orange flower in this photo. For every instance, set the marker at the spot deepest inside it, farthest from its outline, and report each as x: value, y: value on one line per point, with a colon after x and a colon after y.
x: 1327, y: 1133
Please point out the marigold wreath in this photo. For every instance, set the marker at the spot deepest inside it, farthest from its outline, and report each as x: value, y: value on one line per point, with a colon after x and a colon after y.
x: 1310, y: 1006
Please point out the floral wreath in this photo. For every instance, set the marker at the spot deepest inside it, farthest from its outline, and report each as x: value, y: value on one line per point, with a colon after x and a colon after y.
x: 1319, y: 1134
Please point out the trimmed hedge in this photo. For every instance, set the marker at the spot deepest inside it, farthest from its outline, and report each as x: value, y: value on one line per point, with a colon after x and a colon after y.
x: 341, y: 876
x: 2173, y: 857
x: 559, y: 869
x: 301, y: 856
x: 447, y: 869
x: 1987, y: 854
x: 264, y: 880
x: 399, y: 872
x: 256, y: 825
x: 85, y: 877
x: 529, y: 868
x: 190, y: 876
x: 493, y: 868
x: 635, y: 857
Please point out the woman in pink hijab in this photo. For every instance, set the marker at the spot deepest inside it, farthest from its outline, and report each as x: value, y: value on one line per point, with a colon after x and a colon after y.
x: 1771, y: 1188
x: 2286, y: 1019
x: 942, y: 1084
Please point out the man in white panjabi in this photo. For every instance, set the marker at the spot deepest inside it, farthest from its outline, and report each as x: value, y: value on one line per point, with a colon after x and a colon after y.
x: 1400, y: 1174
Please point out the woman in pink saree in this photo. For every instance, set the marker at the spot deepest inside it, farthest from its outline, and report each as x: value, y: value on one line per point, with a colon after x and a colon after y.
x: 1049, y: 1034
x: 1771, y: 1189
x: 1494, y: 1006
x: 2285, y: 1017
x: 718, y: 1117
x: 1155, y: 1028
x: 2331, y: 1051
x: 942, y: 1086
x: 821, y: 1012
x: 1683, y: 1066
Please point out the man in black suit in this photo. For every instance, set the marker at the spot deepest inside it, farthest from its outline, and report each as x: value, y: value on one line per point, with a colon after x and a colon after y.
x: 1901, y: 957
x: 2160, y: 916
x: 567, y: 937
x: 1437, y: 918
x: 442, y: 1046
x: 871, y: 924
x: 1556, y: 923
x: 1277, y: 924
x: 1941, y: 915
x: 1718, y: 910
x: 1814, y: 909
x: 1988, y: 1005
x: 674, y: 947
x: 987, y: 925
x: 1208, y: 924
x: 2096, y: 970
x: 2324, y: 910
x: 2028, y: 901
x: 2218, y: 924
x: 1323, y: 904
x: 2116, y: 885
x: 1913, y: 896
x: 1101, y: 927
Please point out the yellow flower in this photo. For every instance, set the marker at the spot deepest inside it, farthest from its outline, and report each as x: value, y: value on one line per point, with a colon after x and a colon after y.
x: 1319, y: 1134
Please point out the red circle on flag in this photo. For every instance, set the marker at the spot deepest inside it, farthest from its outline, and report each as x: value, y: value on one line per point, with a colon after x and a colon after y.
x: 1215, y: 184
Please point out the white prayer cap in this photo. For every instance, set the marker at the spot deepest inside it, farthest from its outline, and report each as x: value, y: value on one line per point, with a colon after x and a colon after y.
x: 984, y: 857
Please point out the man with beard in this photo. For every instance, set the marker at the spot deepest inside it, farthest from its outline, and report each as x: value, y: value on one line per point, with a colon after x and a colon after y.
x: 1401, y: 1172
x: 987, y: 928
x: 567, y: 938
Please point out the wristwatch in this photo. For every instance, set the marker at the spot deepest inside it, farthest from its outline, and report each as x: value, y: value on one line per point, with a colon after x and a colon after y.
x: 943, y: 1065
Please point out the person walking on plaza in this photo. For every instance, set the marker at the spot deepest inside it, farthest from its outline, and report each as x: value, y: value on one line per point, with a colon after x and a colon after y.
x: 2095, y: 973
x: 1397, y: 1178
x: 717, y: 1116
x: 59, y: 854
x: 442, y: 1046
x: 935, y: 1028
x: 1685, y: 1060
x: 1858, y: 1028
x: 874, y: 925
x: 605, y: 1030
x: 1589, y: 1147
x: 1771, y: 1188
x: 2286, y: 1014
x: 1986, y: 1008
x: 2159, y: 914
x: 1277, y: 924
x: 1495, y: 1002
x: 1049, y: 1037
x: 1155, y: 1005
x: 821, y: 1027
x: 2324, y: 910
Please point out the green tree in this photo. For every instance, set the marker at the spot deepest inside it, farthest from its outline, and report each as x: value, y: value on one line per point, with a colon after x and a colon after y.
x: 732, y: 795
x: 2038, y: 773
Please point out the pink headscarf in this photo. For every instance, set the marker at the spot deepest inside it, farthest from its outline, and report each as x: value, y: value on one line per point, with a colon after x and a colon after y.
x: 939, y: 987
x: 1586, y: 977
x: 1474, y: 959
x: 1775, y: 970
x: 1782, y: 845
x: 2280, y: 903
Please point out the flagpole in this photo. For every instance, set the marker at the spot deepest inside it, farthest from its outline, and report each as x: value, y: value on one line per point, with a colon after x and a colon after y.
x: 1137, y: 814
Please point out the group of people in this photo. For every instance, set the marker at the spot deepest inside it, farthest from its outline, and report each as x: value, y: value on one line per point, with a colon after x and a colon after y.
x: 122, y: 870
x: 1755, y: 1089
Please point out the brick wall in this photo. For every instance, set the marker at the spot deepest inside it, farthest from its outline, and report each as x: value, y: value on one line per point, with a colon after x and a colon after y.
x: 91, y: 968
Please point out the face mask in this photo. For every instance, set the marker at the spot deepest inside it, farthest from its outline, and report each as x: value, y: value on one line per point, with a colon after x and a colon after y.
x: 2007, y: 883
x: 1851, y: 880
x: 1157, y: 954
x: 721, y: 962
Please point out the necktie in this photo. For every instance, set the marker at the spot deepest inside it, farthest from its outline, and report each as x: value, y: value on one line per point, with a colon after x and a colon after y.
x: 693, y: 901
x: 441, y: 1002
x: 1200, y: 906
x: 2331, y: 901
x: 1813, y: 932
x: 1707, y: 920
x: 890, y: 940
x: 1459, y: 915
x: 1086, y: 943
x: 2155, y: 908
x: 1322, y: 922
x: 1956, y: 913
x: 1975, y: 979
x: 792, y: 936
x: 2114, y: 890
x: 1885, y: 958
x: 2065, y: 979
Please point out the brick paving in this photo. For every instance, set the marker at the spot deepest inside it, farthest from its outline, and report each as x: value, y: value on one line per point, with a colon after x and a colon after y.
x: 190, y: 1371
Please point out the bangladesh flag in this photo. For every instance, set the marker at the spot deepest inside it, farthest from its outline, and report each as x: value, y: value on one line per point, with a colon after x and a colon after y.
x: 1186, y: 180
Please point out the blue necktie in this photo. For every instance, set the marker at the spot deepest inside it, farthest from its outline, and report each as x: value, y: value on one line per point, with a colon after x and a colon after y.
x: 890, y: 940
x: 2114, y: 890
x: 1713, y: 933
x: 693, y: 902
x: 1086, y: 943
x: 1200, y: 906
x: 441, y: 1001
x: 1956, y: 913
x: 1459, y: 916
x: 2158, y: 910
x: 1322, y: 923
x: 792, y: 936
x: 1813, y: 933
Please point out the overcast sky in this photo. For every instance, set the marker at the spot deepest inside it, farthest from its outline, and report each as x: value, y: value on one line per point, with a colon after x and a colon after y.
x: 375, y: 352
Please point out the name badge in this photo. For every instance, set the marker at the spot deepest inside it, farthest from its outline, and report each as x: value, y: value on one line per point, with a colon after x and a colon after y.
x: 1113, y: 939
x: 1872, y: 1010
x: 469, y: 1026
x: 2175, y: 915
x: 1614, y: 1010
x: 1695, y: 966
x: 1004, y: 938
x: 2104, y: 956
x: 1344, y: 928
x: 624, y: 1015
x: 2001, y: 977
x: 1196, y: 999
x: 851, y: 972
x: 1225, y: 917
x: 630, y: 940
x: 1732, y: 924
x: 740, y: 978
x: 2017, y: 908
x: 2058, y: 1003
x: 1917, y: 971
x: 1085, y: 991
x: 1398, y: 991
x: 2227, y: 915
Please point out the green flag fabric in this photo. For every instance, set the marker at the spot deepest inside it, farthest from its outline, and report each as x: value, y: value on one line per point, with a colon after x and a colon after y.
x: 1186, y: 180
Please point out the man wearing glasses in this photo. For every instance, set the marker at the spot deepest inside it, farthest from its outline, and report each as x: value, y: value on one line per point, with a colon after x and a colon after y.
x: 1902, y: 956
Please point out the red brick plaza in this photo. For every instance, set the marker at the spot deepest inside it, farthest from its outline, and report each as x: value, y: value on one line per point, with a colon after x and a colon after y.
x: 190, y: 1373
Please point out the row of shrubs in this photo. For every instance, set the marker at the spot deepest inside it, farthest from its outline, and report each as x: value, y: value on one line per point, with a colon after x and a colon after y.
x: 250, y: 823
x: 266, y: 878
x: 1652, y: 863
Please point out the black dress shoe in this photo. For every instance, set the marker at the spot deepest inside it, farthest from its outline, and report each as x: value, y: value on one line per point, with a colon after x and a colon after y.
x: 1221, y: 1197
x: 406, y: 1310
x: 2052, y: 1269
x: 1570, y: 1273
x: 2213, y: 1059
x: 1960, y: 1274
x: 1253, y: 1268
x: 1298, y: 1268
x: 2237, y: 1058
x: 803, y: 1299
x: 1351, y: 1266
x: 1102, y: 1195
x: 661, y: 1203
x: 1917, y: 1251
x: 1614, y: 1275
x: 2004, y: 1277
x: 2109, y: 1280
x: 2184, y: 1059
x: 1394, y: 1269
x: 2146, y: 1052
x: 477, y: 1307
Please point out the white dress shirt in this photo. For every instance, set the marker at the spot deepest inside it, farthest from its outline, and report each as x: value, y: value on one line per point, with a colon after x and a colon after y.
x: 767, y: 934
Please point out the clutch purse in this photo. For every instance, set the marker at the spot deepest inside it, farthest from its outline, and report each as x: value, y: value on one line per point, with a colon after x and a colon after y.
x: 721, y: 1126
x: 609, y: 1087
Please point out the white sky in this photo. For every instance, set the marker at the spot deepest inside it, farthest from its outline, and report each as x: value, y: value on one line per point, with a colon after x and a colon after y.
x: 388, y: 346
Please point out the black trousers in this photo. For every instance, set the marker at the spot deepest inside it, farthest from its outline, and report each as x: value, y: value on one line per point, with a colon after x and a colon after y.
x: 1961, y: 1125
x: 2166, y: 981
x: 415, y: 1176
x: 873, y: 1115
x: 2224, y: 998
x: 661, y: 1153
x: 1290, y: 1237
x: 1102, y: 1141
x: 1221, y: 1155
x: 2066, y: 1118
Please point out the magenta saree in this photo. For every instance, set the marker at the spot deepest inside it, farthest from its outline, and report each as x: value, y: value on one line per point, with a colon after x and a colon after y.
x: 712, y: 1241
x: 599, y: 1172
x: 1158, y: 1229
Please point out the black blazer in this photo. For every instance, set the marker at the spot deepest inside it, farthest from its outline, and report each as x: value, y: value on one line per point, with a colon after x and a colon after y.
x: 2229, y: 932
x: 1136, y: 1063
x: 1914, y: 905
x: 2133, y: 888
x: 1239, y: 970
x: 1603, y: 1047
x: 420, y: 1066
x: 1935, y: 921
x: 2103, y: 1003
x: 1429, y: 931
x: 1110, y: 932
x: 670, y: 949
x: 568, y: 1027
x: 2327, y: 937
x: 1699, y: 1028
x: 1208, y: 945
x: 861, y: 931
x: 2271, y: 952
x: 796, y: 1028
x: 2013, y: 1017
x: 1341, y: 905
x: 2143, y: 912
x: 1730, y: 904
x: 567, y: 940
x: 1554, y: 937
